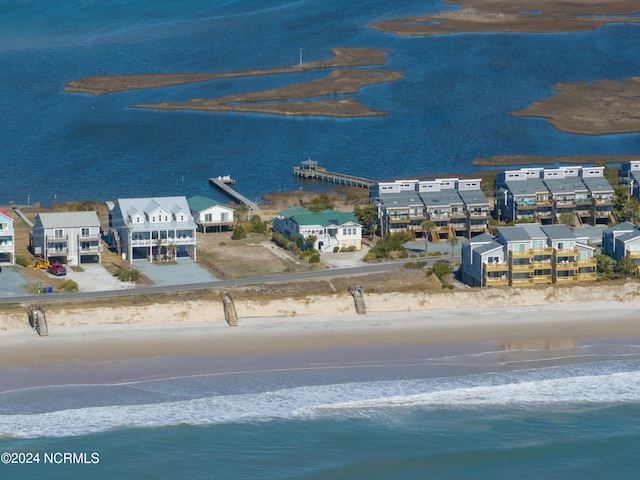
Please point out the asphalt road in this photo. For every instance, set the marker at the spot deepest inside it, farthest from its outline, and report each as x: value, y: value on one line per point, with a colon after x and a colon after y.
x: 217, y: 285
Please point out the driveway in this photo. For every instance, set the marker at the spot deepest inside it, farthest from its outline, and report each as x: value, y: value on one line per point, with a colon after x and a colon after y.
x: 11, y: 282
x: 184, y: 272
x: 95, y: 278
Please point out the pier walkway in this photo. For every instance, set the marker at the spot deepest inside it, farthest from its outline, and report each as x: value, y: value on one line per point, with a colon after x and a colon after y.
x: 310, y: 169
x: 231, y: 193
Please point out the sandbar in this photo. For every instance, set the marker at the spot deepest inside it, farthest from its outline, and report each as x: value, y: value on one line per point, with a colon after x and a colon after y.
x: 525, y: 160
x: 591, y: 108
x: 505, y: 16
x: 339, y: 82
x: 103, y: 84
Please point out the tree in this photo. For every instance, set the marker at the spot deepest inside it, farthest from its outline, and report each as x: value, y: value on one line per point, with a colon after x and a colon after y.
x: 626, y: 267
x: 239, y: 232
x: 606, y: 265
x: 242, y: 213
x: 172, y: 248
x: 320, y: 203
x: 159, y: 245
x: 257, y: 225
x: 452, y: 241
x: 440, y: 268
x: 427, y: 227
x: 567, y: 219
x: 366, y: 217
x: 310, y: 241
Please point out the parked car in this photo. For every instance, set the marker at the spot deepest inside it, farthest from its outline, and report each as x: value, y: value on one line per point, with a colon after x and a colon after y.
x: 57, y: 269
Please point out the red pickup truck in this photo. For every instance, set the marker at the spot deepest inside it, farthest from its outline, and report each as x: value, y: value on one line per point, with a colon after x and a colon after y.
x: 57, y: 269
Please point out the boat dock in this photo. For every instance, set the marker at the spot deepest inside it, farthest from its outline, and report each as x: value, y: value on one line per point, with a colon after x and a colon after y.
x: 221, y: 185
x: 310, y: 169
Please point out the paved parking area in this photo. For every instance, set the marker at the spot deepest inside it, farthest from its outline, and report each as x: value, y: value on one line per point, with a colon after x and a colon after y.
x: 12, y: 284
x: 95, y: 278
x: 184, y: 272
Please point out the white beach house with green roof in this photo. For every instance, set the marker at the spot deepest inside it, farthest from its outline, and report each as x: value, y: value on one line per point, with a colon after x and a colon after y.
x: 210, y: 215
x: 331, y: 228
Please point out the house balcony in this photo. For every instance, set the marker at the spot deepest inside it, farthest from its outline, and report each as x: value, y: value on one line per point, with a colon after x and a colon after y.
x: 458, y: 225
x: 145, y: 242
x: 89, y: 238
x: 53, y: 252
x: 544, y: 202
x: 399, y: 219
x: 61, y: 239
x: 459, y: 214
x: 496, y: 281
x: 604, y: 201
x: 521, y: 268
x: 93, y: 249
x: 522, y: 282
x: 439, y: 216
x: 6, y: 248
x: 541, y: 251
x: 565, y: 265
x: 496, y: 267
x: 591, y: 263
x: 526, y: 205
x: 586, y: 200
x: 566, y: 279
x: 525, y: 254
x: 602, y: 213
x: 479, y: 215
x: 478, y: 227
x: 542, y: 279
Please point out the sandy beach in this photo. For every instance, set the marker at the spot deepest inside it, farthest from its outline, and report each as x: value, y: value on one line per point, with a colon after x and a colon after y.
x: 103, y: 353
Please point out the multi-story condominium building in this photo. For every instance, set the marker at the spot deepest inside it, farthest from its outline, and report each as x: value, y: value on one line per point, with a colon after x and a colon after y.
x: 622, y: 240
x: 210, y: 215
x: 331, y: 229
x: 454, y: 206
x: 525, y: 255
x: 67, y: 237
x: 543, y: 195
x: 7, y: 242
x: 150, y: 227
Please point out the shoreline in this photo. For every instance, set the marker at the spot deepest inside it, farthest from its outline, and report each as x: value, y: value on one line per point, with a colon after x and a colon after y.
x: 113, y: 344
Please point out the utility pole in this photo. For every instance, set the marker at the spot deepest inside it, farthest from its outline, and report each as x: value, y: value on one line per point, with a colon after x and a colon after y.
x: 301, y: 57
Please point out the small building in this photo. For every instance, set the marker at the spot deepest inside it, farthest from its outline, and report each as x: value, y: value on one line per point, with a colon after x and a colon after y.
x: 210, y: 215
x: 526, y: 255
x: 330, y: 228
x: 622, y: 240
x: 147, y: 228
x: 7, y: 238
x: 67, y: 237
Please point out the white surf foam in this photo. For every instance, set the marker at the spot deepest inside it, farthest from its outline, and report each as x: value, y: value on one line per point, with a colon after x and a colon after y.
x: 585, y: 384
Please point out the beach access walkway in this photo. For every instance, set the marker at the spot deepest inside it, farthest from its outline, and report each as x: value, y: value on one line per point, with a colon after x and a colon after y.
x: 220, y: 184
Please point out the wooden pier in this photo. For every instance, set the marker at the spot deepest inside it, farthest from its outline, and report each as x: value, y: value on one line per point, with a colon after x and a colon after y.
x: 221, y: 185
x: 310, y: 169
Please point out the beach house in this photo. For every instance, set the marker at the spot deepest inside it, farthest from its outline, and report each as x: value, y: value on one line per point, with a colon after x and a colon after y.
x: 544, y: 195
x: 210, y: 215
x: 7, y: 235
x: 454, y: 206
x: 622, y: 240
x: 152, y: 227
x: 67, y: 237
x: 527, y: 254
x: 330, y: 228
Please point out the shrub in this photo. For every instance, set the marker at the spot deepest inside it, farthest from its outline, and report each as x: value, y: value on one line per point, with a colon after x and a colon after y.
x: 336, y: 249
x: 69, y: 286
x: 415, y: 265
x: 239, y: 232
x: 125, y: 275
x: 23, y: 261
x: 440, y: 268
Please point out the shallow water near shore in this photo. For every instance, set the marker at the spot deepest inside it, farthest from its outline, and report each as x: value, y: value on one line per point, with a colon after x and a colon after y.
x: 463, y: 411
x: 451, y: 107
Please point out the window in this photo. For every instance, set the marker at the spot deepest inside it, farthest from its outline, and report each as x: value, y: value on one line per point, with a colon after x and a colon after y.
x: 538, y: 244
x: 85, y: 246
x: 85, y: 232
x: 58, y: 233
x: 224, y: 216
x: 208, y: 217
x: 4, y: 226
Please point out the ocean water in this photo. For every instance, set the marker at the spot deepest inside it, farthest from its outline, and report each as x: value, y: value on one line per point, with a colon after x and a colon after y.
x: 451, y: 107
x: 569, y: 412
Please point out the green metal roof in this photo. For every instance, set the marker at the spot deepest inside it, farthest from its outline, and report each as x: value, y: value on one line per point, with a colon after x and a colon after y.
x: 199, y: 203
x: 325, y: 218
